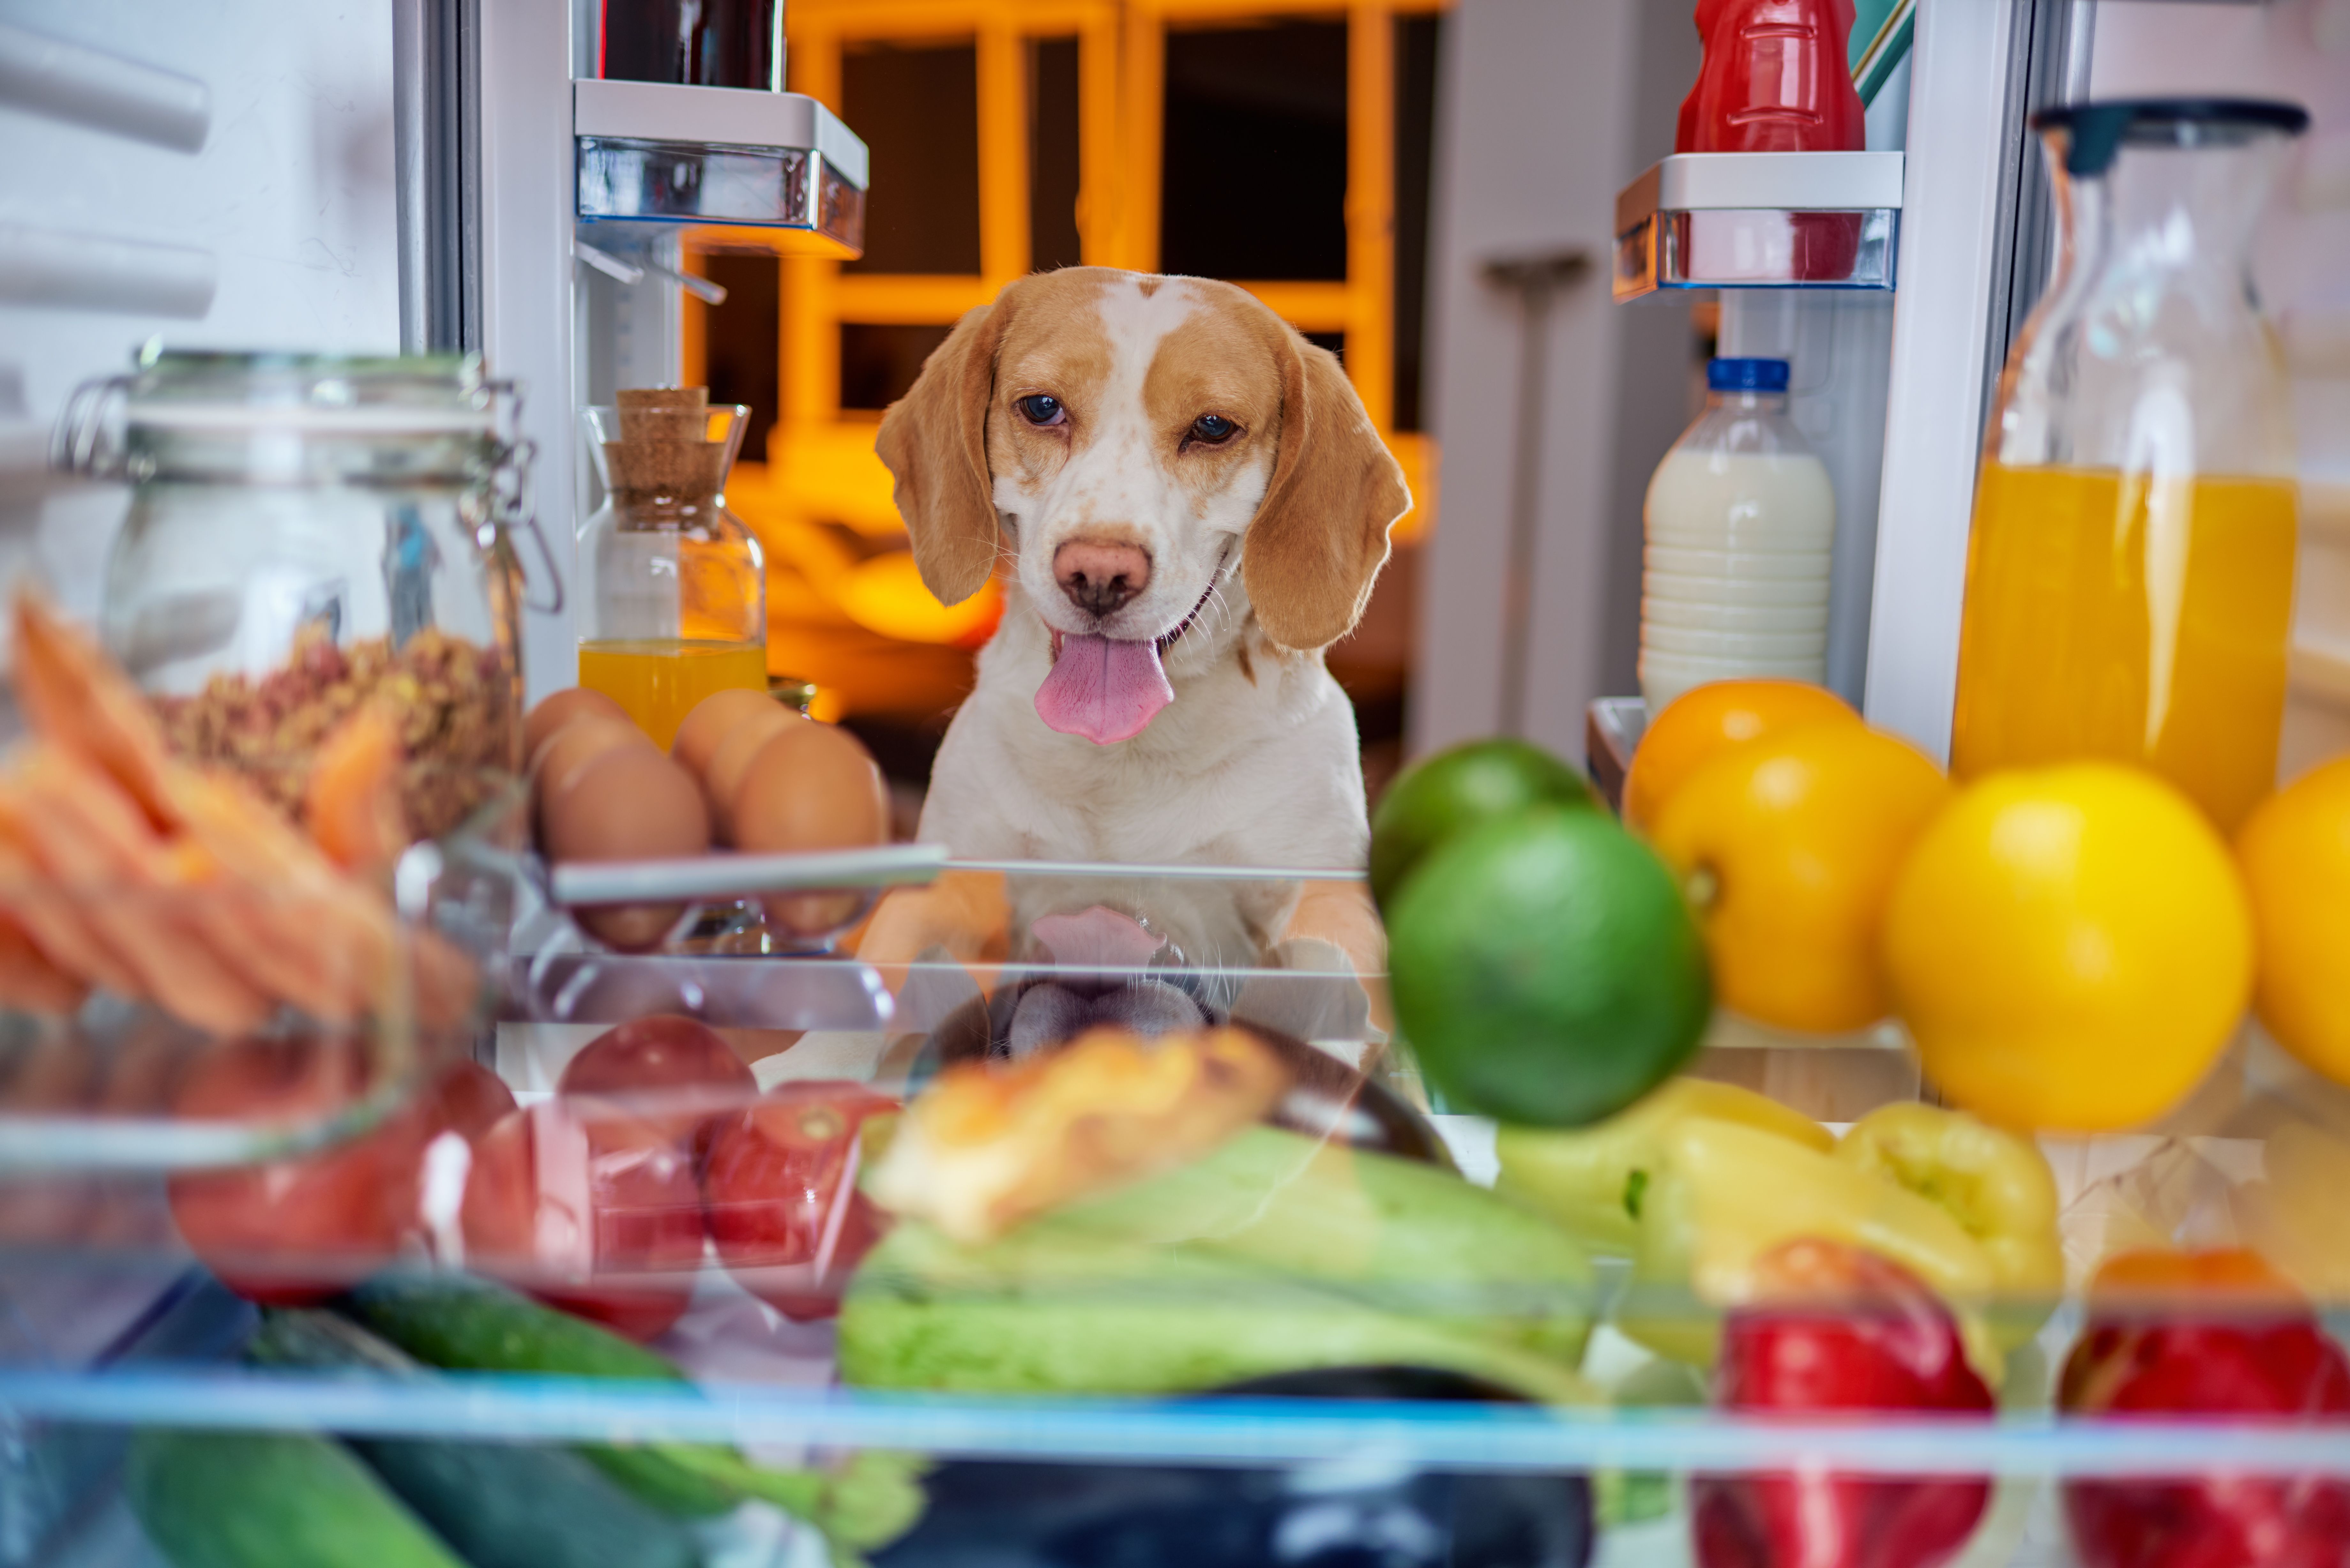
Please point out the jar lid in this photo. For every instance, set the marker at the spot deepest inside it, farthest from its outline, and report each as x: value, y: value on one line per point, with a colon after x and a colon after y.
x: 330, y: 395
x: 2100, y: 130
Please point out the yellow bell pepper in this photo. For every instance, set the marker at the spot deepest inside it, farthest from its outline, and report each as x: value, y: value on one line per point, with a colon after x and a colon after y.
x: 1724, y: 1194
x: 1997, y: 1186
x: 1592, y: 1182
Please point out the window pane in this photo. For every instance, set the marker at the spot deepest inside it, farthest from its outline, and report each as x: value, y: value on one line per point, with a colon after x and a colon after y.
x: 1254, y: 170
x: 918, y: 109
x: 1415, y: 122
x: 1053, y: 154
x: 878, y: 364
x: 739, y: 339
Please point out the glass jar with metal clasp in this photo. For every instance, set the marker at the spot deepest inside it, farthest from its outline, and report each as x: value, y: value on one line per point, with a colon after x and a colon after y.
x: 309, y: 534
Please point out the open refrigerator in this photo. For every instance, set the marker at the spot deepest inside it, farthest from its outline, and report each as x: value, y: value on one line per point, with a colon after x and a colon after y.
x: 1330, y: 1329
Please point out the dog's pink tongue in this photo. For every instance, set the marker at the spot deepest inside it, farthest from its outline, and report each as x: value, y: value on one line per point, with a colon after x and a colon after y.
x: 1103, y: 688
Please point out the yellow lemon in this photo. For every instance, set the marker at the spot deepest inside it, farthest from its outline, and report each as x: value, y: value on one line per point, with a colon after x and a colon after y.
x: 2295, y: 854
x: 2071, y: 947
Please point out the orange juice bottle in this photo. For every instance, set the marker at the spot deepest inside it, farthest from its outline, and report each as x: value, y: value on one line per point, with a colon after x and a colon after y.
x: 673, y: 584
x: 2129, y: 574
x: 2137, y: 619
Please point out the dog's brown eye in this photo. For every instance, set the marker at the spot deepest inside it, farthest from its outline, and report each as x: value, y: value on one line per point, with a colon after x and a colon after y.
x: 1214, y: 429
x: 1040, y: 408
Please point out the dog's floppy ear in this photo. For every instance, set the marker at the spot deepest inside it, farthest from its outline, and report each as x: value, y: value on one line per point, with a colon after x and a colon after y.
x: 934, y: 442
x: 1321, y: 535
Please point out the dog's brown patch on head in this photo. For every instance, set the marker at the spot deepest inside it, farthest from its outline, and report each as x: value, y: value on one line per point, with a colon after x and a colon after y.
x: 1221, y: 360
x: 941, y: 439
x: 1248, y: 668
x: 1058, y: 345
x: 1320, y: 536
x: 1149, y: 284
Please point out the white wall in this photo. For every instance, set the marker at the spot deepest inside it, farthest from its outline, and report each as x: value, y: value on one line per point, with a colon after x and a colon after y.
x: 1543, y: 110
x: 2298, y: 50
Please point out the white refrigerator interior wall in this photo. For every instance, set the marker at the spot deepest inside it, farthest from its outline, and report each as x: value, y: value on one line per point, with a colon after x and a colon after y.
x: 2299, y: 50
x: 289, y: 196
x: 1933, y: 411
x: 1543, y: 111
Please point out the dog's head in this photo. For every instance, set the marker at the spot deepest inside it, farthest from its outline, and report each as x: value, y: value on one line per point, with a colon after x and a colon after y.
x: 1131, y: 438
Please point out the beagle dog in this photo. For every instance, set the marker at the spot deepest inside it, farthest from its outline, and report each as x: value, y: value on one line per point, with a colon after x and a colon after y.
x: 1185, y: 503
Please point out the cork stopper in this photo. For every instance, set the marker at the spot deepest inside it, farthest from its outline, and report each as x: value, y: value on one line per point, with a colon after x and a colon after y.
x: 664, y: 448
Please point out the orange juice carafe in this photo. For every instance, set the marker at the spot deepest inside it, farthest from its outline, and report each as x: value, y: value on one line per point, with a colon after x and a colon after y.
x: 2129, y: 574
x: 674, y: 586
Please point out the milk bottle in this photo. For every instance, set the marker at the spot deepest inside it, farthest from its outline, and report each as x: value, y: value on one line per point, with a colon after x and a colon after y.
x: 1740, y: 518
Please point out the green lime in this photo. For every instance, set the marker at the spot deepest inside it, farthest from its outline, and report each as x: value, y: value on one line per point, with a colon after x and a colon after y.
x: 1546, y: 969
x: 1454, y: 791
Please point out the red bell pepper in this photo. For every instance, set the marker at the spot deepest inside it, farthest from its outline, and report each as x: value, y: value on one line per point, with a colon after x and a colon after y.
x: 2205, y: 1334
x: 1839, y: 1329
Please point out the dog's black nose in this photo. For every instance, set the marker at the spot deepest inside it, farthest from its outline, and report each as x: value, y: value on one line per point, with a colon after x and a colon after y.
x: 1101, y: 576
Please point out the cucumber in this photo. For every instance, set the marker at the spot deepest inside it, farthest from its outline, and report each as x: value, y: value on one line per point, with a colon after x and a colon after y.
x: 269, y: 1500
x: 463, y: 1323
x: 501, y: 1505
x: 466, y: 1324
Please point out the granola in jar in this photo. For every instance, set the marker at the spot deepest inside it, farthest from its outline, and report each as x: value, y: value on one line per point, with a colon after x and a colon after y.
x: 452, y: 702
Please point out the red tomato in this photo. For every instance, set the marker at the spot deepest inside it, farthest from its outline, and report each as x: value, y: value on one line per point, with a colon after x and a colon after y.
x: 466, y: 1099
x: 589, y: 1210
x: 292, y: 1230
x: 677, y: 1073
x: 469, y: 1100
x: 779, y: 1186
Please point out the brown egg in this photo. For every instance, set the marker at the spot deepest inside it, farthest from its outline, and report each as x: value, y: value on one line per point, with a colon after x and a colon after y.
x: 564, y: 753
x: 561, y: 754
x: 630, y: 802
x: 720, y: 718
x: 558, y: 710
x: 811, y: 787
x: 722, y: 781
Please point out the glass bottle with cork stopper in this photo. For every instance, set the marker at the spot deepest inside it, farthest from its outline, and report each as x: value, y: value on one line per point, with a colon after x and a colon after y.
x: 674, y: 601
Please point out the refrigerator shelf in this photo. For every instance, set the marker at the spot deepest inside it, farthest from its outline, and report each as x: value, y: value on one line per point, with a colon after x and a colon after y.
x: 1760, y: 220
x: 661, y: 153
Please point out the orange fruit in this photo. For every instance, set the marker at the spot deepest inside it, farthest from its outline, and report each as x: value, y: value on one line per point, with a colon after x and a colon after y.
x: 2159, y: 1278
x: 2294, y: 851
x: 1709, y: 719
x: 1788, y: 847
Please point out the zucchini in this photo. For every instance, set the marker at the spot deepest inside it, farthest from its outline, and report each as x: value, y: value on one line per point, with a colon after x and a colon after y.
x: 463, y: 1324
x: 501, y: 1505
x: 269, y: 1500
